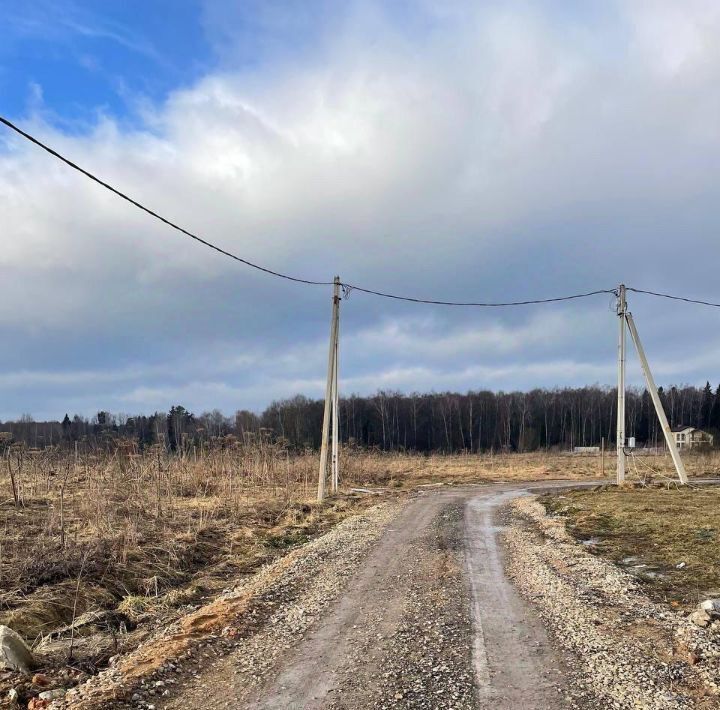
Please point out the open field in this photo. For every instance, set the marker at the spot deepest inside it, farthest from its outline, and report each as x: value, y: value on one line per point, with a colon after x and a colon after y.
x: 403, y: 470
x: 123, y: 543
x: 665, y: 536
x: 145, y: 534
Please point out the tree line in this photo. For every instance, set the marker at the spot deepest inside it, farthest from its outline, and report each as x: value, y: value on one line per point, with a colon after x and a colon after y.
x: 391, y: 421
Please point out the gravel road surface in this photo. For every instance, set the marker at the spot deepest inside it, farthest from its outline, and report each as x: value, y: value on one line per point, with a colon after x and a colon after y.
x: 410, y: 605
x: 427, y: 619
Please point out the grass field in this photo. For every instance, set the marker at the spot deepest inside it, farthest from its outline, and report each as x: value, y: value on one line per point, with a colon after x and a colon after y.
x: 403, y: 470
x: 145, y: 537
x: 665, y: 536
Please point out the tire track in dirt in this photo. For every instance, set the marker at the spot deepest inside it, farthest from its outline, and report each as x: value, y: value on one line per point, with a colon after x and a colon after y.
x: 514, y: 661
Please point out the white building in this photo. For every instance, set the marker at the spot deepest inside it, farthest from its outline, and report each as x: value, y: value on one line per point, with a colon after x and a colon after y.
x: 689, y: 436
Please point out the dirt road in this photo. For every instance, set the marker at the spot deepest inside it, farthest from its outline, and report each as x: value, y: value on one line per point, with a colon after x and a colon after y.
x: 426, y: 619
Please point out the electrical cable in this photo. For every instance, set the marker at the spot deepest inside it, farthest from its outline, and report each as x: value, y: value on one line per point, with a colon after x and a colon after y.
x: 346, y: 286
x: 482, y: 305
x: 674, y: 298
x: 152, y: 213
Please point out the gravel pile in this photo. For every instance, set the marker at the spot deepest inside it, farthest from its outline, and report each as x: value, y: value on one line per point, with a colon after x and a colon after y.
x: 260, y: 618
x: 628, y: 651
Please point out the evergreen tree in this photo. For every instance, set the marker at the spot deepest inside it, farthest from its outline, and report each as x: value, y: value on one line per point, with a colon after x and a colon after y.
x: 706, y: 406
x: 76, y: 427
x: 179, y: 422
x: 714, y: 423
x: 66, y: 426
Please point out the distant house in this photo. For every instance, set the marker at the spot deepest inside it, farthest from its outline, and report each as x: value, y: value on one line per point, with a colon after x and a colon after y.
x: 689, y: 436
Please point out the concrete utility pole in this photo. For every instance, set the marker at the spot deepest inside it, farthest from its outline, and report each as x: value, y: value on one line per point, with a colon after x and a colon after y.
x: 624, y: 316
x: 621, y: 311
x: 335, y: 464
x: 330, y: 395
x: 660, y: 411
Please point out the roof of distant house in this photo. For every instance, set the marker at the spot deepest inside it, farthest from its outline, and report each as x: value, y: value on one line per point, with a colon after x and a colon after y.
x: 682, y: 427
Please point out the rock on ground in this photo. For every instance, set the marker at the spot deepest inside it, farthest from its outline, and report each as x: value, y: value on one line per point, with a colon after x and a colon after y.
x: 14, y: 652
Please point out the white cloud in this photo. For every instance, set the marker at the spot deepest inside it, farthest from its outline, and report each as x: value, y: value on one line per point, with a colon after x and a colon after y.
x: 430, y: 338
x: 674, y: 38
x: 495, y: 153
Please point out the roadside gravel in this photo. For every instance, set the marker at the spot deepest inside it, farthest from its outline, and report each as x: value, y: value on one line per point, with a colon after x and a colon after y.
x: 628, y: 651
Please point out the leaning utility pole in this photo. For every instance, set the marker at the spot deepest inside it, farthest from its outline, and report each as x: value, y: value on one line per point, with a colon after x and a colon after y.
x: 626, y: 317
x: 650, y: 382
x: 621, y: 311
x: 330, y: 388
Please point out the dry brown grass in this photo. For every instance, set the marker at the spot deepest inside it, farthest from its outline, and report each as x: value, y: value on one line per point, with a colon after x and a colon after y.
x: 146, y: 534
x: 402, y: 470
x: 149, y: 534
x: 665, y: 536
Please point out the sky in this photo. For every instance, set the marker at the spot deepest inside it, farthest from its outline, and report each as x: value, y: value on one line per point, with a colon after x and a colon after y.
x: 450, y: 150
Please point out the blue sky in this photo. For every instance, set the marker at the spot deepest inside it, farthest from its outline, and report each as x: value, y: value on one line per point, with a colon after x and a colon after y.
x: 456, y: 150
x: 78, y: 59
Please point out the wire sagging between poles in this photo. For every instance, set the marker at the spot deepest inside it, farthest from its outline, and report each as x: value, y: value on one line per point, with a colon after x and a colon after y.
x: 479, y: 304
x: 152, y: 213
x: 346, y: 286
x: 673, y: 298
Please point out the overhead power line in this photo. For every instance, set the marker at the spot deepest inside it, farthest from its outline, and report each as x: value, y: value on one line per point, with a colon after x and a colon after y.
x: 483, y: 305
x: 674, y: 298
x: 347, y: 286
x: 264, y: 269
x: 152, y: 213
